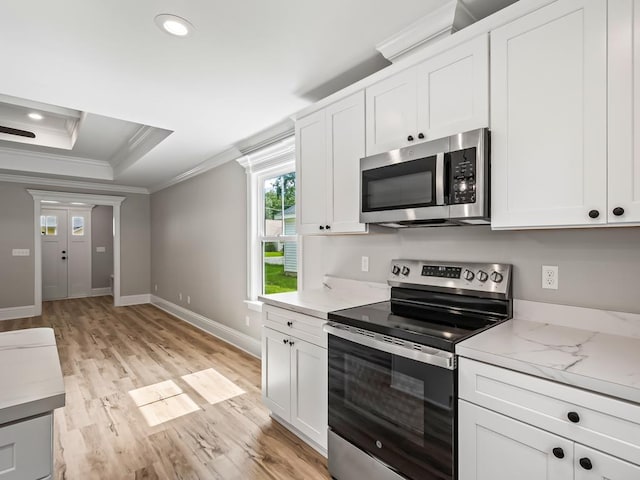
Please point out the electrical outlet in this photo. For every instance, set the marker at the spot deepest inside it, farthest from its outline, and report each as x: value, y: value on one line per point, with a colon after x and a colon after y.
x: 550, y: 277
x: 247, y: 319
x: 188, y: 300
x: 180, y: 296
x: 364, y: 264
x: 155, y: 287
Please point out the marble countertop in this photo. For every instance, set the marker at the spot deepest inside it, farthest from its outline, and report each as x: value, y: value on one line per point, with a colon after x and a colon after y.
x: 30, y: 378
x: 593, y: 360
x: 336, y: 294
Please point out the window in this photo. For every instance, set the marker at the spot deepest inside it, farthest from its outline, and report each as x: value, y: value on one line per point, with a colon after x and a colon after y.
x: 48, y: 225
x: 77, y: 226
x: 272, y: 240
x: 278, y: 236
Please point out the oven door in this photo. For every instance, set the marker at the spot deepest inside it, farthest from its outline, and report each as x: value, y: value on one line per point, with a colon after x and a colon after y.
x: 397, y: 409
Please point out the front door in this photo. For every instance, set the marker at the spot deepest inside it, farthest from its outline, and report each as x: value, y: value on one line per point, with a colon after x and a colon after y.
x: 53, y: 229
x: 66, y: 252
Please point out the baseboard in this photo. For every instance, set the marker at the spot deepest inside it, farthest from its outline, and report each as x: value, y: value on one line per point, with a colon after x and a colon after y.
x: 100, y: 292
x: 11, y: 313
x: 238, y: 339
x: 128, y: 300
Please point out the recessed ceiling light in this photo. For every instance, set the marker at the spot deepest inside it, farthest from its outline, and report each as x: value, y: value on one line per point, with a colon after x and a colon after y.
x: 77, y: 203
x: 48, y: 201
x: 35, y: 116
x: 174, y: 25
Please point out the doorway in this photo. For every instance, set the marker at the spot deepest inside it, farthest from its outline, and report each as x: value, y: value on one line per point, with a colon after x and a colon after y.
x: 66, y: 251
x: 69, y: 198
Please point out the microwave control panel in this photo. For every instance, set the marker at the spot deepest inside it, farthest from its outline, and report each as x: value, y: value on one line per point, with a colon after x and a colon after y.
x: 463, y: 176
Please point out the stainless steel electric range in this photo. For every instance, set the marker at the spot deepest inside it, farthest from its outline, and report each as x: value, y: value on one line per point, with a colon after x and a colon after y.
x: 392, y: 369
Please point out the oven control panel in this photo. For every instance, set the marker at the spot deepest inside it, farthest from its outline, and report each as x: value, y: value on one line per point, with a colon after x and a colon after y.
x: 463, y: 176
x: 491, y: 278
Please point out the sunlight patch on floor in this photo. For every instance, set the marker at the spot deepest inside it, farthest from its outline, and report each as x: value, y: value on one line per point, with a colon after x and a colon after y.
x: 153, y: 393
x: 168, y: 409
x: 212, y: 386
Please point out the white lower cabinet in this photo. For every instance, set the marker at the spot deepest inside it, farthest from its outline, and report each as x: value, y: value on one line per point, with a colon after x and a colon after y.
x: 516, y: 426
x: 294, y: 372
x: 26, y: 449
x: 494, y: 447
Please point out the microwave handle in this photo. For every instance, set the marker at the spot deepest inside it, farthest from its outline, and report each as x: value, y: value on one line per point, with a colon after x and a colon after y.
x: 440, y: 178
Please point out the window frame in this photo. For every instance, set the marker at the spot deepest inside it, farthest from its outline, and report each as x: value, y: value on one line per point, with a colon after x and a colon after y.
x: 271, y: 161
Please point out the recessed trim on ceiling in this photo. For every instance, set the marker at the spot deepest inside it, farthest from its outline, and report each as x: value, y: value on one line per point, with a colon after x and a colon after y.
x: 53, y: 182
x: 174, y: 25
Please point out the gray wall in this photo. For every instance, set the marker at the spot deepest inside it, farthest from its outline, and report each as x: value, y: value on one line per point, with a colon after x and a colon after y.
x: 598, y: 267
x: 101, y: 236
x: 199, y: 246
x: 16, y: 231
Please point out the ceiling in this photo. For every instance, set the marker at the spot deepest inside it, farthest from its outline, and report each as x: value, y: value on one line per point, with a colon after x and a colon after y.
x: 247, y: 66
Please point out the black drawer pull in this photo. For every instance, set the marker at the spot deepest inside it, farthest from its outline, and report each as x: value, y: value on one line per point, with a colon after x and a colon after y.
x: 558, y: 452
x: 573, y: 417
x: 586, y: 463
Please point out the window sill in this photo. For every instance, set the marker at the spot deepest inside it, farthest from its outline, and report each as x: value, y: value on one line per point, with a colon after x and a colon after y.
x: 254, y: 305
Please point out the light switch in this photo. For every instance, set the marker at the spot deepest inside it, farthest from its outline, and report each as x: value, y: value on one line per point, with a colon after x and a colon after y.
x: 21, y: 252
x: 101, y: 249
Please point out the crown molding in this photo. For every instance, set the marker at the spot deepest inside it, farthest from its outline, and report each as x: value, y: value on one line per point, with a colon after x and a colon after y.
x: 141, y: 142
x: 213, y: 162
x: 53, y: 182
x: 446, y: 20
x: 270, y: 156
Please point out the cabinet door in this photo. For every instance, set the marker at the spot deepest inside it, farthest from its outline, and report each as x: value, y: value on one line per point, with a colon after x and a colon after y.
x: 453, y: 90
x: 26, y: 449
x: 311, y: 173
x: 549, y: 117
x: 494, y: 447
x: 276, y: 372
x: 603, y: 467
x: 391, y: 112
x: 309, y: 390
x: 624, y: 111
x: 345, y: 148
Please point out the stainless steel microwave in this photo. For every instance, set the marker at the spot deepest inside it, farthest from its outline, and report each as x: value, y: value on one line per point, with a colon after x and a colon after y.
x: 440, y: 182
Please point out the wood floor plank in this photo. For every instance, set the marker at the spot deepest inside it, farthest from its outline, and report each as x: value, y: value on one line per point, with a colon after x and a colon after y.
x: 105, y: 352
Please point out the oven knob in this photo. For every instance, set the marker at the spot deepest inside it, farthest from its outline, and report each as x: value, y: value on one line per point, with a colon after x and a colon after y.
x: 405, y: 271
x: 395, y: 270
x: 482, y: 275
x: 496, y: 277
x: 468, y: 275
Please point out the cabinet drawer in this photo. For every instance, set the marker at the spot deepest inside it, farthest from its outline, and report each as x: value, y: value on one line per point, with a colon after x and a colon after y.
x: 26, y: 449
x: 296, y: 324
x: 601, y: 422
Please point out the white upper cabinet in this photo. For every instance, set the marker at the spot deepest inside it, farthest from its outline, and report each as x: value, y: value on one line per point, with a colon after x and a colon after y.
x: 329, y: 145
x: 624, y: 112
x: 549, y: 117
x: 444, y: 95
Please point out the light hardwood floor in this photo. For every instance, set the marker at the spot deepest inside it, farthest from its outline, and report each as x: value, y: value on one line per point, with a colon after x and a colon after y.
x: 103, y: 431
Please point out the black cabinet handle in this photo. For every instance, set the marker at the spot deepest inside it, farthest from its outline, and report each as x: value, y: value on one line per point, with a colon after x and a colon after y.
x: 594, y: 213
x: 321, y: 227
x: 64, y: 251
x: 328, y: 227
x: 289, y: 324
x: 64, y: 258
x: 586, y: 463
x: 558, y: 452
x: 618, y: 211
x: 291, y: 343
x: 573, y: 417
x: 421, y: 136
x: 285, y: 341
x: 410, y: 138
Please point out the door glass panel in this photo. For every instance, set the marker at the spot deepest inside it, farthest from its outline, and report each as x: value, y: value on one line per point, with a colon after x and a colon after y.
x: 77, y: 226
x: 48, y: 225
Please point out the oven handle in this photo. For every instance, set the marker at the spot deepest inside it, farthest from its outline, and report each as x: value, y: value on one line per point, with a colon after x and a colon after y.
x: 438, y: 358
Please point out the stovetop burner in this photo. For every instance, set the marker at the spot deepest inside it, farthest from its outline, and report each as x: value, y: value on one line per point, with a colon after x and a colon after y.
x: 436, y: 304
